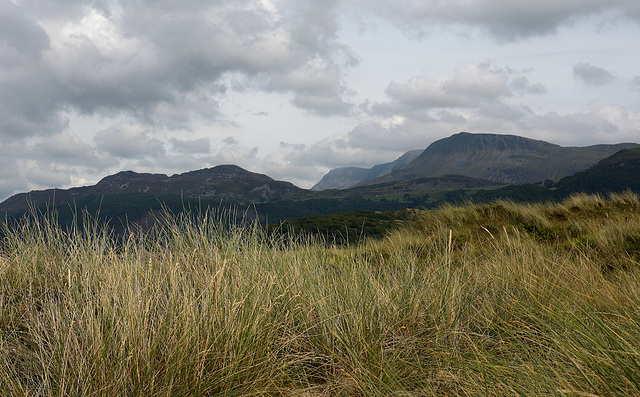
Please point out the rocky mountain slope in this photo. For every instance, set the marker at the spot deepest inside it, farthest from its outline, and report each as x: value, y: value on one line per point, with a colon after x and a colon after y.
x: 346, y: 177
x: 501, y: 158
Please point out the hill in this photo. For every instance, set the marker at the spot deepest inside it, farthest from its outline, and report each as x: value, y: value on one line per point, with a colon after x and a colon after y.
x: 129, y: 197
x: 222, y: 182
x: 346, y: 177
x: 501, y: 158
x: 617, y: 173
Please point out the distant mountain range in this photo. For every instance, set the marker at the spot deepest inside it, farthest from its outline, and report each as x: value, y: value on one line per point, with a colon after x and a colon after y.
x: 479, y: 167
x: 346, y: 177
x: 498, y: 158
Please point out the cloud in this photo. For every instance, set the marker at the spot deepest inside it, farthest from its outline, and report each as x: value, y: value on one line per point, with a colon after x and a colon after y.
x: 467, y: 87
x: 297, y: 146
x: 635, y: 83
x: 522, y: 85
x: 129, y: 140
x: 318, y: 87
x: 66, y: 148
x: 194, y: 146
x: 592, y: 75
x: 603, y: 124
x: 19, y: 33
x: 160, y: 63
x: 231, y: 141
x: 504, y: 20
x: 61, y: 160
x: 471, y: 85
x: 148, y: 70
x: 149, y: 67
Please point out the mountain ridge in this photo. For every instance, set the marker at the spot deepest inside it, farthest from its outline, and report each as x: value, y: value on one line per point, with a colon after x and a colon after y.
x: 222, y: 181
x: 501, y: 158
x: 130, y: 196
x: 346, y: 177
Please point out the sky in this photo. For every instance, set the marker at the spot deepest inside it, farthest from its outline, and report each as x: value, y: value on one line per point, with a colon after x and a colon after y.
x: 294, y: 88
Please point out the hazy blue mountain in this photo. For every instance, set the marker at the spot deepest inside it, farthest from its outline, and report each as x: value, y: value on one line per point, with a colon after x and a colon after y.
x: 346, y: 177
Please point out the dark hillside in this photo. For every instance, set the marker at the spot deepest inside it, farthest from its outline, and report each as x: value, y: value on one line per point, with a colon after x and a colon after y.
x: 617, y: 173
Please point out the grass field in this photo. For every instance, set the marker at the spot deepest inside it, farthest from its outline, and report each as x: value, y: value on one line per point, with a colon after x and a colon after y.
x: 473, y: 300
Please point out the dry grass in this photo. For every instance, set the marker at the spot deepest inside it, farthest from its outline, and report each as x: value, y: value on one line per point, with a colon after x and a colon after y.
x: 498, y: 299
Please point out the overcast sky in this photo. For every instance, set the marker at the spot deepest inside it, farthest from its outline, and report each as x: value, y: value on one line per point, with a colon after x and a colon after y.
x: 293, y: 88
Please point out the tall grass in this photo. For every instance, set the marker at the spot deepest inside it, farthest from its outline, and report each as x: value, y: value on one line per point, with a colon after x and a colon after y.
x: 497, y: 299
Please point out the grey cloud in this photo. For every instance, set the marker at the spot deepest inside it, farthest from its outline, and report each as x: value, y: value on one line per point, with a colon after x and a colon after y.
x: 43, y: 174
x: 318, y: 87
x: 295, y: 146
x: 159, y: 65
x: 200, y: 146
x: 128, y: 140
x: 635, y: 83
x: 28, y: 93
x: 322, y: 105
x: 501, y: 111
x: 585, y: 127
x: 314, y: 23
x: 592, y: 75
x: 372, y: 135
x: 50, y: 161
x: 231, y: 141
x: 505, y: 20
x: 65, y: 148
x: 11, y: 180
x: 166, y: 164
x: 521, y: 84
x: 19, y: 32
x: 451, y: 117
x: 143, y: 58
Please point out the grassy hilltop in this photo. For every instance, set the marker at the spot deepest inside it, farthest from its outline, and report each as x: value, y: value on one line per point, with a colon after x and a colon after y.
x: 492, y: 299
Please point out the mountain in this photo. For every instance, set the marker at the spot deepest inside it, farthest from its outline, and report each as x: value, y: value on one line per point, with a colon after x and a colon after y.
x: 135, y: 198
x: 221, y: 182
x: 500, y: 158
x: 346, y: 177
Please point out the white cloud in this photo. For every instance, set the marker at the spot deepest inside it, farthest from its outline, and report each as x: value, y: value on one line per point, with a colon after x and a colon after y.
x: 470, y: 85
